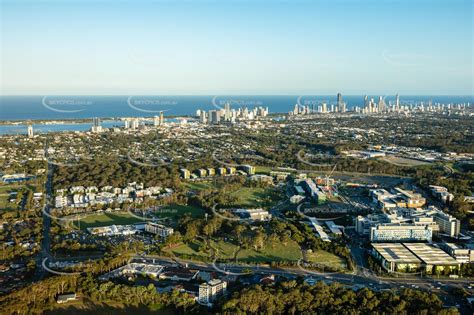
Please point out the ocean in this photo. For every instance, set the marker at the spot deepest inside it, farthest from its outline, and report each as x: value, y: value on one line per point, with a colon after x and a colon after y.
x: 24, y: 108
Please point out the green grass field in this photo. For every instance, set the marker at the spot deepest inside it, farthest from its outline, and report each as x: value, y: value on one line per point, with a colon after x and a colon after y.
x: 272, y: 252
x: 122, y: 218
x: 250, y: 197
x: 199, y: 185
x: 190, y: 250
x: 262, y: 170
x: 104, y: 219
x: 325, y: 258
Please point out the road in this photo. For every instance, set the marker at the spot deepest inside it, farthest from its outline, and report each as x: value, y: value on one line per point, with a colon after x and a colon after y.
x: 46, y: 240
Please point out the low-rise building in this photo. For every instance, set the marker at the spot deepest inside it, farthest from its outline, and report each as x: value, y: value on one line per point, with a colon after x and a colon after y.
x: 394, y: 257
x: 409, y: 257
x: 158, y: 229
x: 179, y: 274
x: 441, y: 193
x: 462, y: 255
x: 112, y: 230
x: 413, y: 200
x: 333, y: 227
x: 147, y: 269
x: 64, y: 298
x: 254, y: 214
x: 319, y: 230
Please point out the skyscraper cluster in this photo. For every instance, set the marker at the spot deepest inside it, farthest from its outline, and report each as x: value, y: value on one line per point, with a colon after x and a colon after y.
x: 230, y: 115
x: 339, y: 107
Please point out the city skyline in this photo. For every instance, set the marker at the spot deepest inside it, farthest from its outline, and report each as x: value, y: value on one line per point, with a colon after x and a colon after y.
x: 237, y: 47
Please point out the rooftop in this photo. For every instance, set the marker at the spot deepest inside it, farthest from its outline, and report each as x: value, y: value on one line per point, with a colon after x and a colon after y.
x: 396, y: 252
x: 430, y: 255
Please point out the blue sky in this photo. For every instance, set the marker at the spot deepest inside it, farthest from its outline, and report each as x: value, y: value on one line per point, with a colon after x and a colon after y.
x: 237, y: 47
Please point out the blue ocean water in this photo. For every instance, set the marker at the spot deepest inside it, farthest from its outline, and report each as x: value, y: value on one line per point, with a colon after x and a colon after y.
x: 23, y: 108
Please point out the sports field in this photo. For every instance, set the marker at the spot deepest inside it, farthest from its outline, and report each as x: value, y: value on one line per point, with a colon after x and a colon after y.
x: 104, y: 219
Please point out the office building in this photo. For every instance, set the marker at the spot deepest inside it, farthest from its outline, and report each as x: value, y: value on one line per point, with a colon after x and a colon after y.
x: 202, y: 117
x: 162, y: 118
x: 447, y: 223
x: 402, y: 232
x: 381, y: 105
x: 30, y: 131
x: 96, y: 127
x: 214, y: 116
x: 211, y: 290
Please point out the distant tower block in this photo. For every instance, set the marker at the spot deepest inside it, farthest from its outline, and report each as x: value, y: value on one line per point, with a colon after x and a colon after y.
x: 156, y: 121
x: 30, y: 131
x: 162, y: 119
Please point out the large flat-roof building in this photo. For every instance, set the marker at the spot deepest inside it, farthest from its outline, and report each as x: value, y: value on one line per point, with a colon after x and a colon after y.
x: 407, y: 257
x: 434, y: 259
x: 395, y: 257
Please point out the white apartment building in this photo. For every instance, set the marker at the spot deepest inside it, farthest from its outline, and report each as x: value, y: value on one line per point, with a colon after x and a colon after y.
x: 209, y: 291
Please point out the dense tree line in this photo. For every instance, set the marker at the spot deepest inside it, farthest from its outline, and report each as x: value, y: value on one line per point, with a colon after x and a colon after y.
x: 293, y: 298
x: 40, y: 296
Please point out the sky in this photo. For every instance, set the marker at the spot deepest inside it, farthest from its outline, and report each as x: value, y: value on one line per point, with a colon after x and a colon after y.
x: 110, y: 47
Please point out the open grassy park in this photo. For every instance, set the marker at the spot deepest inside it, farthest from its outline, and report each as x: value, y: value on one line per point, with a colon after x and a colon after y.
x: 273, y: 252
x: 250, y: 197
